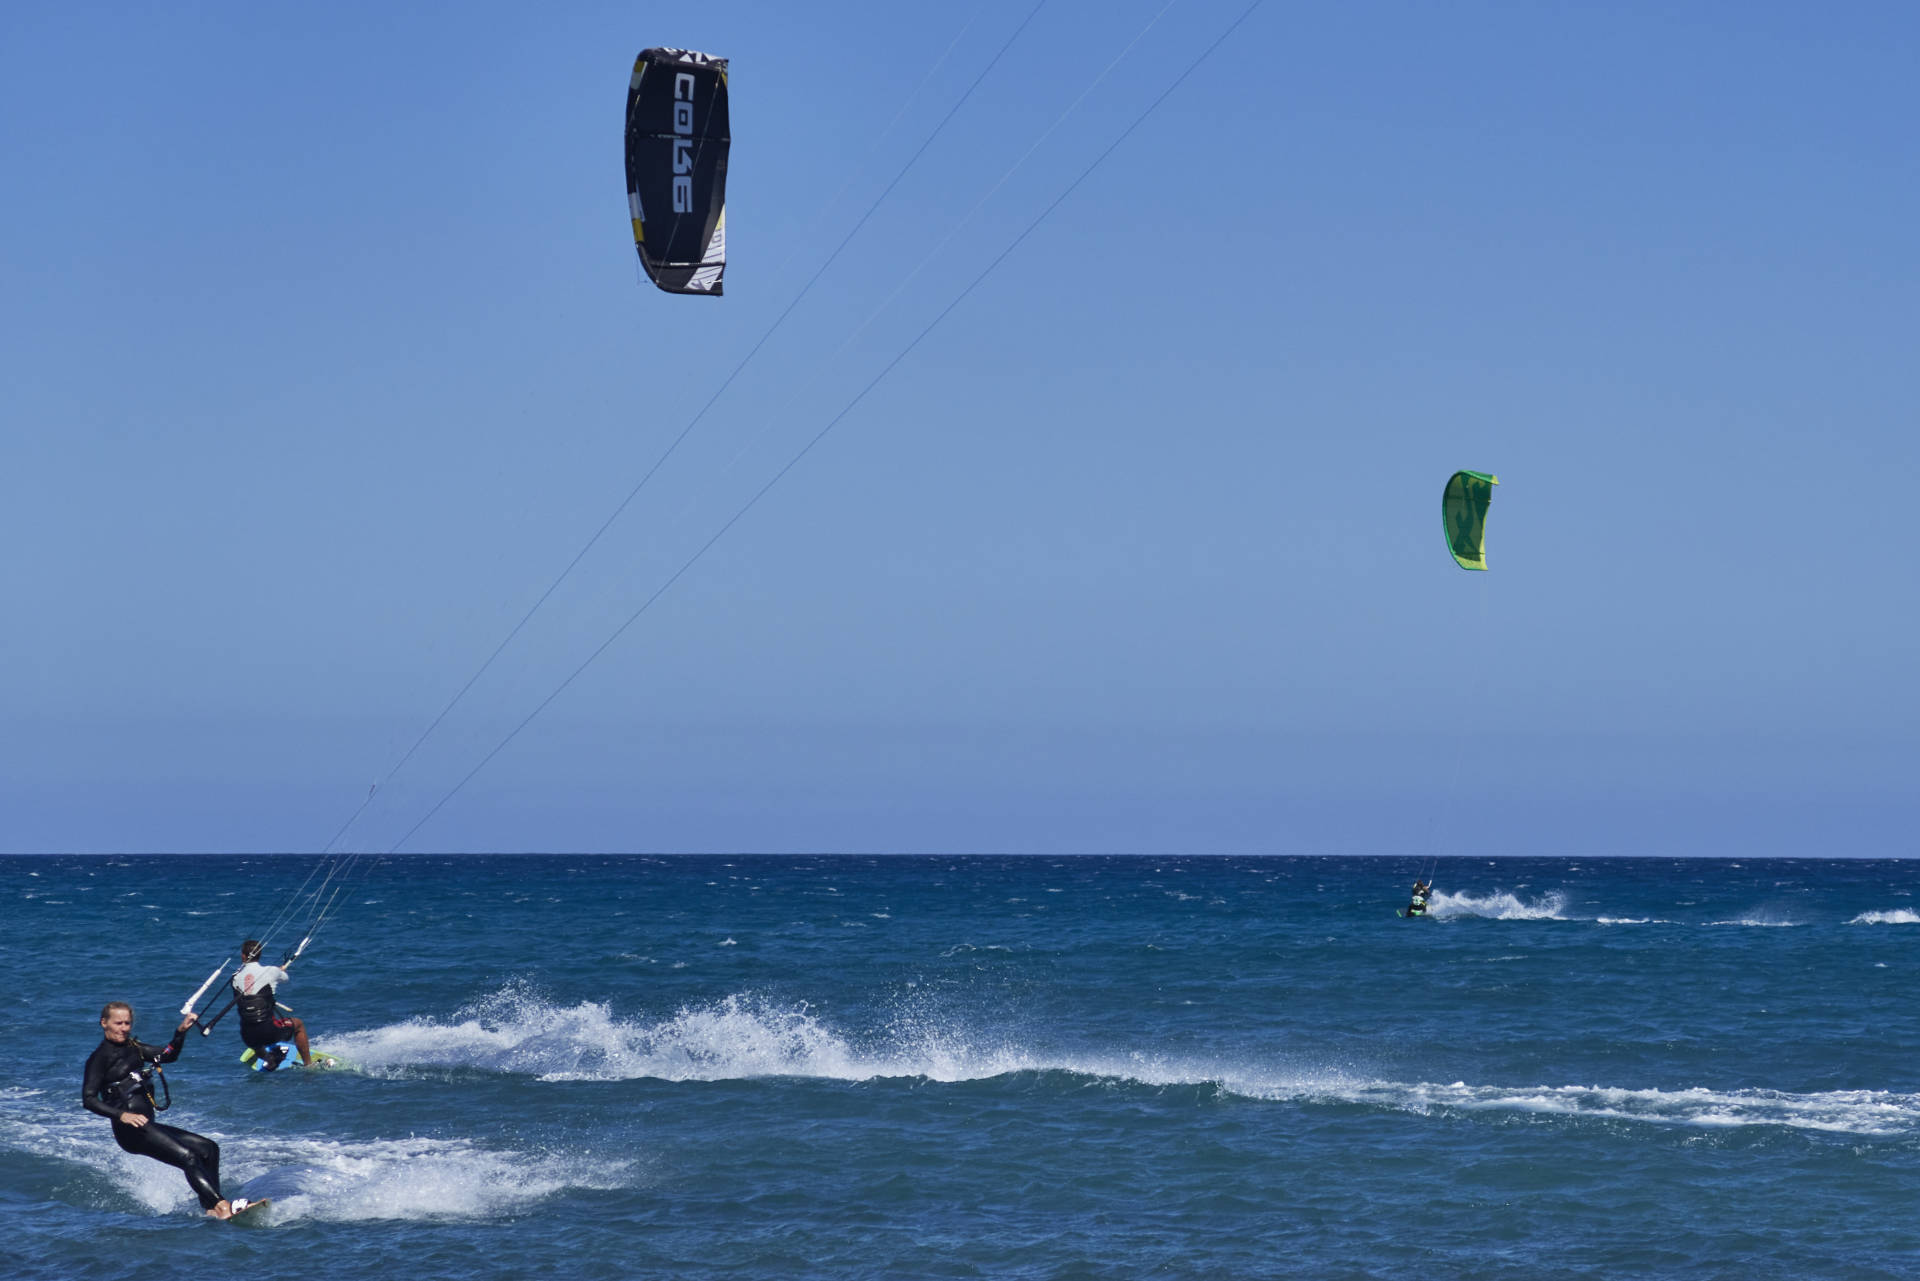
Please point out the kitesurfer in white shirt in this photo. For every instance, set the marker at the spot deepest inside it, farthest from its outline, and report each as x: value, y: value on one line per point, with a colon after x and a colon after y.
x: 261, y: 1026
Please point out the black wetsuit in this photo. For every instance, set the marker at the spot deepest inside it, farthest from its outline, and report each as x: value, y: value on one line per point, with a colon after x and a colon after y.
x: 119, y: 1080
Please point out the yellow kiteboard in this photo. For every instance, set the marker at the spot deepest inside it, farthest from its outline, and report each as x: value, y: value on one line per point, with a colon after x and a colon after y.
x: 284, y: 1055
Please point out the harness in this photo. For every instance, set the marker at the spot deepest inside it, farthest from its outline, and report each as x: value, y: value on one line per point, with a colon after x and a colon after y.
x: 136, y: 1084
x: 256, y: 1008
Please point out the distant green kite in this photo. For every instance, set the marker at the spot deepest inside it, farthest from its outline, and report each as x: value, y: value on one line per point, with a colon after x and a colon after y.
x: 1463, y: 514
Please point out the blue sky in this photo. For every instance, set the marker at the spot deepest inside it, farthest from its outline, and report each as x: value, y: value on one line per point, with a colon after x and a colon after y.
x: 326, y: 350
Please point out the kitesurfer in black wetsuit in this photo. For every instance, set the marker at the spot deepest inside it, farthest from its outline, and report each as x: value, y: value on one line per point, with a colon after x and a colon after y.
x: 1418, y: 907
x: 261, y: 1026
x: 119, y: 1086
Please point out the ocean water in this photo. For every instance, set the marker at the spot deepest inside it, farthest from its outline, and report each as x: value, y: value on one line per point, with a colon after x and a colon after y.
x: 856, y: 1067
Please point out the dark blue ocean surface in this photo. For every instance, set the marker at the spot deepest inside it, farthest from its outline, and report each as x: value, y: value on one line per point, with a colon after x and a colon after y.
x: 990, y: 1067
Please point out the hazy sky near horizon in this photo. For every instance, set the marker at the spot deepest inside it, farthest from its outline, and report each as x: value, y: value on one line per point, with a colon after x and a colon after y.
x: 326, y: 351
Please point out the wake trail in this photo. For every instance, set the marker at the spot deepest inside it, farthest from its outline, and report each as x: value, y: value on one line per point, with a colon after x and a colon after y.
x: 1500, y: 905
x: 743, y: 1038
x: 314, y: 1176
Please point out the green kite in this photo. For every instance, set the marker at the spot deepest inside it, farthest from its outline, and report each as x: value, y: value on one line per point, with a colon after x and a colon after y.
x: 1463, y: 514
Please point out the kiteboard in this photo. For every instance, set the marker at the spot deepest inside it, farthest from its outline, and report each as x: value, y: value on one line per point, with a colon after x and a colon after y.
x: 253, y: 1214
x: 1405, y: 915
x: 284, y: 1054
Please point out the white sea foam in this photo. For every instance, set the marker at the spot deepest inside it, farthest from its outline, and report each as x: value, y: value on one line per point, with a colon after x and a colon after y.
x: 1498, y: 906
x: 1899, y: 916
x: 731, y: 1039
x: 744, y: 1037
x: 1865, y: 1112
x: 318, y: 1178
x: 1861, y: 1112
x: 33, y: 1122
x: 414, y: 1178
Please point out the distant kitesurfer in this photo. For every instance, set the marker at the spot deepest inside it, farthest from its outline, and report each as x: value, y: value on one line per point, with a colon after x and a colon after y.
x: 119, y: 1086
x: 1418, y: 906
x: 261, y: 1026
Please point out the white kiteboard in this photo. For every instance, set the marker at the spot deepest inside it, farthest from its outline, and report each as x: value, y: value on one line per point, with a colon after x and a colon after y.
x: 253, y: 1214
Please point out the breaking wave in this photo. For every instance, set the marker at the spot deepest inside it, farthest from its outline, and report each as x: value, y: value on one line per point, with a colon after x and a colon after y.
x: 1498, y: 906
x: 1899, y: 916
x: 736, y: 1038
x: 744, y: 1038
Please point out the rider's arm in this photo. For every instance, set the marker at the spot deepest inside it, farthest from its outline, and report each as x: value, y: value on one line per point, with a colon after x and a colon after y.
x: 170, y: 1051
x: 90, y: 1088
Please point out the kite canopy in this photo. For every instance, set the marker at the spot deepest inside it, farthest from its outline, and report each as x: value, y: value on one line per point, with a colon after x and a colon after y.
x: 677, y: 139
x: 1463, y: 514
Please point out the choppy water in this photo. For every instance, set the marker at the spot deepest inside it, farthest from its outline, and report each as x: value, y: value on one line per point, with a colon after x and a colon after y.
x: 992, y: 1067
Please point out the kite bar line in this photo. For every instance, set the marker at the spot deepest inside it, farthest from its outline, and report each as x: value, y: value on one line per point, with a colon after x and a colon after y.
x: 334, y: 872
x: 835, y: 421
x: 879, y: 138
x: 686, y: 431
x: 873, y: 315
x: 206, y: 1028
x: 1469, y: 725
